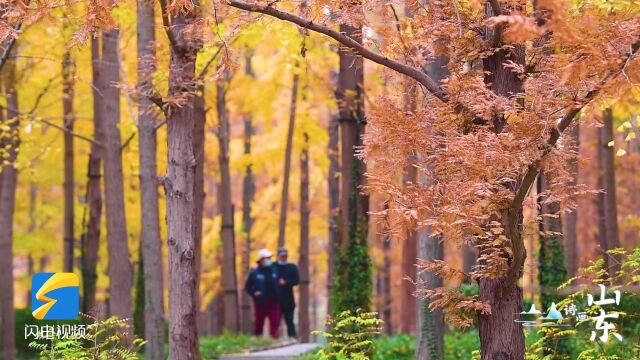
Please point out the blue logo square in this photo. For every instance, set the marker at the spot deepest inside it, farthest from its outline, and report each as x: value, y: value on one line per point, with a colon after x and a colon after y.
x: 55, y: 296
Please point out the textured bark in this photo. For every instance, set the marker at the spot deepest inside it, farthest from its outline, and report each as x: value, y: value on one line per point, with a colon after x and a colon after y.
x: 7, y: 207
x: 229, y: 282
x: 248, y: 191
x: 500, y: 336
x: 91, y: 241
x: 180, y: 190
x: 150, y: 226
x: 200, y: 118
x: 303, y: 262
x: 609, y: 186
x: 429, y: 324
x: 409, y: 246
x: 284, y: 199
x: 570, y: 218
x: 384, y: 294
x: 68, y: 75
x: 354, y: 204
x: 120, y: 269
x: 334, y: 203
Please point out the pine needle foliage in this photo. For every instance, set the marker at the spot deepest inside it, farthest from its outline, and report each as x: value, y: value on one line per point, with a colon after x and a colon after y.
x: 108, y: 339
x: 350, y: 336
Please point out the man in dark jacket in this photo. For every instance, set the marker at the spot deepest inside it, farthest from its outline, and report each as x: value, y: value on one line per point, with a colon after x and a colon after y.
x: 262, y: 286
x: 287, y: 279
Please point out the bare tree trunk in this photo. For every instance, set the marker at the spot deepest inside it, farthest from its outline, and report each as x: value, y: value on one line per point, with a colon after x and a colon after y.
x: 303, y: 262
x: 385, y: 286
x: 94, y: 190
x: 7, y: 208
x: 334, y: 203
x: 248, y: 190
x: 231, y: 305
x: 180, y: 190
x: 609, y: 186
x: 284, y: 200
x: 150, y: 226
x: 68, y: 75
x: 120, y: 269
x: 570, y: 219
x: 199, y: 193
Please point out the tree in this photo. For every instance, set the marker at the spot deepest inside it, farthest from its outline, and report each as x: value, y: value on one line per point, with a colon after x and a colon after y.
x: 229, y: 279
x: 483, y: 156
x: 333, y: 185
x: 570, y: 218
x: 352, y: 280
x: 151, y: 245
x: 607, y: 162
x: 120, y: 269
x: 179, y: 183
x: 248, y: 191
x: 9, y: 175
x: 284, y: 200
x: 303, y: 262
x: 91, y: 236
x: 68, y: 75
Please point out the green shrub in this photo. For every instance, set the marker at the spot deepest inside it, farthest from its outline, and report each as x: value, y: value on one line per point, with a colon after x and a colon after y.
x: 398, y: 347
x: 227, y: 343
x: 23, y: 317
x: 350, y: 336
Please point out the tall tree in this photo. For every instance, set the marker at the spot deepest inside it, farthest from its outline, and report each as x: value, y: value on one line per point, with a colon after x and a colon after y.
x: 570, y: 218
x: 303, y: 262
x: 120, y: 269
x: 68, y: 78
x: 179, y: 182
x: 229, y: 279
x: 91, y: 237
x: 248, y: 191
x: 608, y: 174
x: 333, y: 188
x: 151, y: 255
x: 284, y: 199
x: 7, y: 207
x: 352, y: 281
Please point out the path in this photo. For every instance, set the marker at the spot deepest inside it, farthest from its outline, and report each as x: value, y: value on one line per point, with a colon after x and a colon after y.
x: 288, y: 352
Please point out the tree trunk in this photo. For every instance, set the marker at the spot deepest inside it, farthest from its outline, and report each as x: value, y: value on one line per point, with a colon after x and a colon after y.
x: 199, y: 193
x: 334, y: 203
x: 94, y: 190
x: 303, y: 262
x: 284, y: 200
x: 352, y: 281
x: 409, y: 246
x: 248, y: 190
x: 609, y: 186
x: 429, y: 324
x: 385, y: 286
x: 500, y: 336
x: 7, y: 209
x: 231, y: 304
x: 180, y: 192
x: 68, y: 75
x: 570, y: 218
x: 120, y: 269
x: 151, y: 254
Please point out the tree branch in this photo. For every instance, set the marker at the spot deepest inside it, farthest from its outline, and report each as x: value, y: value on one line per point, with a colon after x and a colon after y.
x: 66, y: 130
x: 8, y: 47
x: 565, y: 121
x: 410, y: 71
x: 167, y: 23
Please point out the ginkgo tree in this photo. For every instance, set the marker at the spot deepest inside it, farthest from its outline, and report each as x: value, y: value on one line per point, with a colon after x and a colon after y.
x: 520, y: 75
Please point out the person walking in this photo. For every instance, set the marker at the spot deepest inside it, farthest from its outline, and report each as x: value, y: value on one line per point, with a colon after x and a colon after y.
x: 287, y: 279
x: 262, y: 285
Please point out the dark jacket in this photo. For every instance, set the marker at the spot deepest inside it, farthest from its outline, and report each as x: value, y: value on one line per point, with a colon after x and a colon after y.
x: 289, y: 273
x: 264, y: 280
